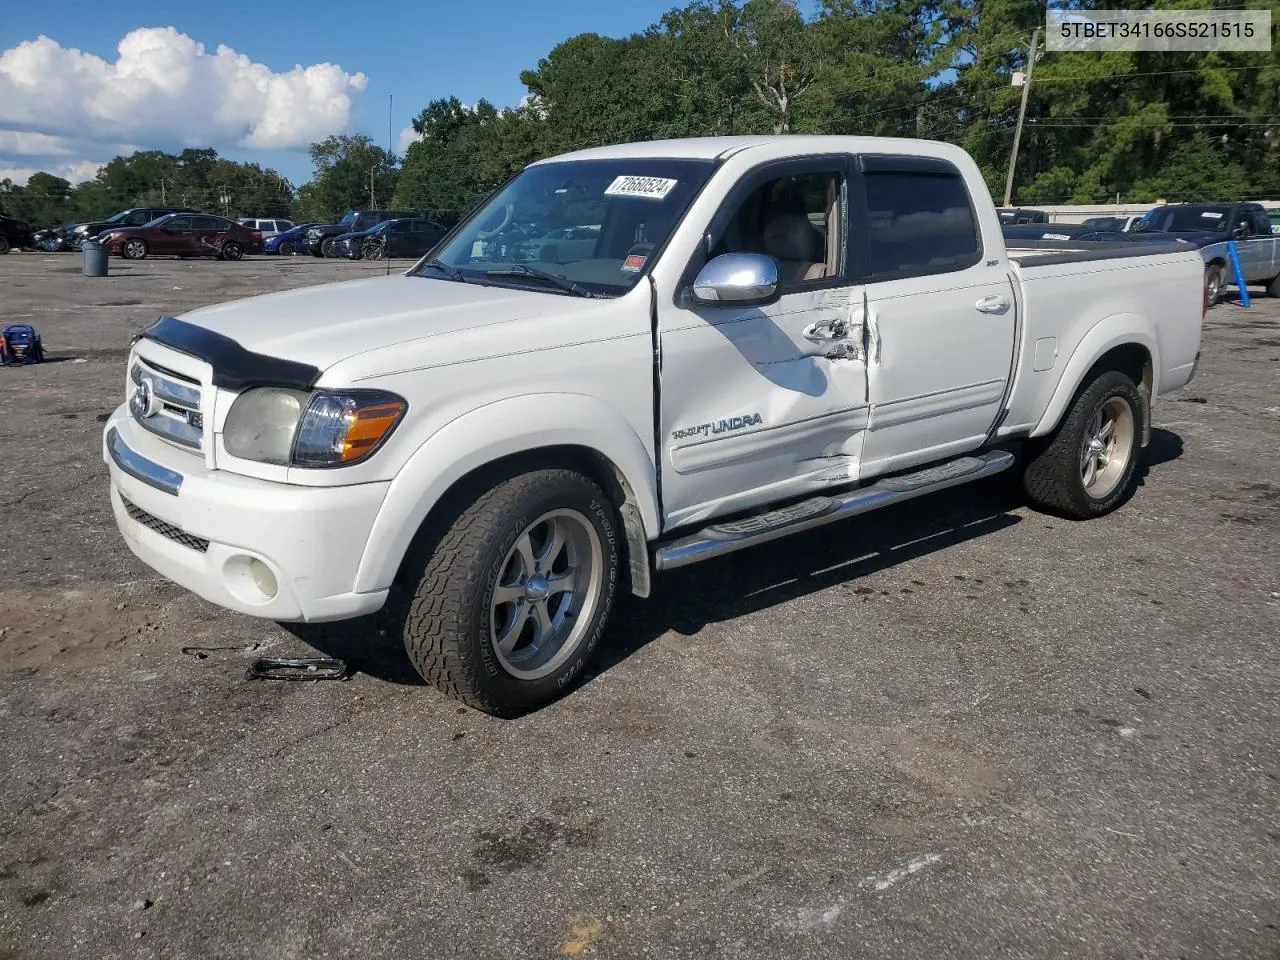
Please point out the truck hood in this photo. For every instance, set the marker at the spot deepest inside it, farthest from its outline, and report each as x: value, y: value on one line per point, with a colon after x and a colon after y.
x: 328, y: 323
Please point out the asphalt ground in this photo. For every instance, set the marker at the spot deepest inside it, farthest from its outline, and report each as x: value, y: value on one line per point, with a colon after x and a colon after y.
x: 957, y: 729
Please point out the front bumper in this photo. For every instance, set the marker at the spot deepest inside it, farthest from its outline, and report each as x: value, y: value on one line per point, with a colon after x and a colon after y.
x: 201, y: 528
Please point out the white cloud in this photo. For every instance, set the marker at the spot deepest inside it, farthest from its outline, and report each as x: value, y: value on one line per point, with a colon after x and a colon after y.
x: 407, y: 137
x: 164, y: 91
x: 77, y: 171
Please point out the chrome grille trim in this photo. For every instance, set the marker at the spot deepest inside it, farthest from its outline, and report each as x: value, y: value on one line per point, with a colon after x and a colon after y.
x: 175, y: 413
x: 165, y: 529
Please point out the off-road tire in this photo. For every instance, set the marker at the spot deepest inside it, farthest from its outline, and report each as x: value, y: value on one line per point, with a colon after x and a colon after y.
x: 1051, y: 474
x: 1214, y: 276
x: 447, y: 620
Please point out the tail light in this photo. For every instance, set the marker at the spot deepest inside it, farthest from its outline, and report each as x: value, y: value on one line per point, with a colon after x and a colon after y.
x: 257, y: 236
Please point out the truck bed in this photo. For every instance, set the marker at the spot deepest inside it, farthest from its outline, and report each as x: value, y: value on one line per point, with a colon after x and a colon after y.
x: 1068, y: 292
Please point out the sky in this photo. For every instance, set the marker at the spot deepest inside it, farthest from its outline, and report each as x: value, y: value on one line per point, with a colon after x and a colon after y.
x: 84, y: 80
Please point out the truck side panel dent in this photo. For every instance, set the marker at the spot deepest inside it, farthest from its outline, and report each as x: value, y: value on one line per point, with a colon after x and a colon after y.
x: 490, y: 433
x: 1117, y: 330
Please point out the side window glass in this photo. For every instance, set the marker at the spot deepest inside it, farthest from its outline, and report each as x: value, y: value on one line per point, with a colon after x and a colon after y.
x: 919, y: 223
x: 139, y: 218
x: 178, y: 224
x: 798, y: 220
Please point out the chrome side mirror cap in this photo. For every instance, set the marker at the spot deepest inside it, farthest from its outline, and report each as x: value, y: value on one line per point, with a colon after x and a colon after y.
x: 737, y: 279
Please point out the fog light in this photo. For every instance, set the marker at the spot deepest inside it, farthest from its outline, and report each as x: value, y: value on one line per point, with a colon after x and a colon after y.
x: 263, y: 578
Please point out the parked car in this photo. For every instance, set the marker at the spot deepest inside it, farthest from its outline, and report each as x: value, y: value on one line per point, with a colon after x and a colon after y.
x: 1121, y: 223
x: 408, y: 238
x: 133, y: 217
x: 320, y: 236
x: 1274, y: 216
x: 1080, y: 233
x: 1209, y: 226
x: 510, y: 445
x: 1020, y: 215
x: 183, y: 235
x: 14, y: 233
x: 268, y: 228
x: 562, y: 245
x: 290, y: 242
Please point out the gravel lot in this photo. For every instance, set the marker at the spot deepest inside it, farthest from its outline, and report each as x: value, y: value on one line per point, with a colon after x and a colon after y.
x: 960, y: 729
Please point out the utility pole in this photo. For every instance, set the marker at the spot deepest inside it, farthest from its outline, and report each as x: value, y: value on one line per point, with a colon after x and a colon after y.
x: 1022, y: 112
x: 373, y: 203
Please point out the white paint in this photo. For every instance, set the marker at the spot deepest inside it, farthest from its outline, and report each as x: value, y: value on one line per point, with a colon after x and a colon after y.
x: 1127, y: 731
x: 809, y: 919
x: 901, y: 873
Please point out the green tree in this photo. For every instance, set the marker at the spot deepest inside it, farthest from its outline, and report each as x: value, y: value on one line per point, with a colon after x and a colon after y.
x: 351, y: 172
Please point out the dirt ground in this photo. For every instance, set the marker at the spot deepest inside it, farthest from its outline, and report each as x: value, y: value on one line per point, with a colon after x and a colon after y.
x: 959, y: 729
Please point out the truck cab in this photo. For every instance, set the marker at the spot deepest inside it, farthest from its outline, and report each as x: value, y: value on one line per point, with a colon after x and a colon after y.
x: 768, y: 334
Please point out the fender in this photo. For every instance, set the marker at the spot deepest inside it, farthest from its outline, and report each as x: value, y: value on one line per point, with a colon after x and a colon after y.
x: 486, y: 434
x: 1117, y: 330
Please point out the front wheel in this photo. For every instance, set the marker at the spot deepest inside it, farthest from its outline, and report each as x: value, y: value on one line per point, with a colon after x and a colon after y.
x: 134, y: 250
x: 1088, y: 467
x: 511, y: 598
x: 1213, y: 283
x: 326, y: 247
x: 286, y: 248
x: 371, y: 251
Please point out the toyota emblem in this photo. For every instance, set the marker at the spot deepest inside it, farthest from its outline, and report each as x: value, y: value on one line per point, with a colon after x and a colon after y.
x: 144, y: 398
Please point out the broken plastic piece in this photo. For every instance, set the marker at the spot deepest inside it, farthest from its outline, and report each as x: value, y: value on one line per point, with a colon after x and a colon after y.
x: 296, y: 668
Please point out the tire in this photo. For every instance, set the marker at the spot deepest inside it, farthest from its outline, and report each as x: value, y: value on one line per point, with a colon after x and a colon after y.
x: 326, y: 247
x: 486, y: 592
x: 1273, y: 287
x: 1056, y: 474
x: 232, y: 251
x: 134, y: 250
x: 371, y: 251
x: 5, y: 246
x: 1213, y: 277
x: 285, y: 249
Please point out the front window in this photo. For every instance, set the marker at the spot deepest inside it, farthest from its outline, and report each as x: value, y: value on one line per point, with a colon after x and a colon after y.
x: 348, y: 218
x: 593, y: 224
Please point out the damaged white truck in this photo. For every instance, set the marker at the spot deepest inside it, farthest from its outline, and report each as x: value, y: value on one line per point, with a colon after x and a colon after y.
x: 767, y: 334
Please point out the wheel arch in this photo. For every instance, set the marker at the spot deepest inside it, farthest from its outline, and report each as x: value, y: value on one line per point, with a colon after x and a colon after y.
x: 576, y: 432
x: 1123, y: 342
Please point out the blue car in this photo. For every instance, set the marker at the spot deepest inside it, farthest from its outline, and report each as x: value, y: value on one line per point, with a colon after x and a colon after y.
x: 289, y: 242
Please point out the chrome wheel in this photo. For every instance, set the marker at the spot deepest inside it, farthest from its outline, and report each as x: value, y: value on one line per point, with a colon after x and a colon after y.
x: 546, y: 594
x: 1106, y: 448
x: 135, y: 250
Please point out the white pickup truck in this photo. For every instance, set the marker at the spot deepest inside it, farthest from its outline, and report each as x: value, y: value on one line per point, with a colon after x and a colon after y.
x: 770, y: 333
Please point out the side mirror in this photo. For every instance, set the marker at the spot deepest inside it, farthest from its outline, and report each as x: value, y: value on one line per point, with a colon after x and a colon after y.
x: 741, y: 279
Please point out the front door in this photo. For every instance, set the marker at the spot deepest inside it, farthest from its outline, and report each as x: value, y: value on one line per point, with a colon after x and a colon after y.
x: 763, y: 403
x: 940, y: 314
x: 174, y: 237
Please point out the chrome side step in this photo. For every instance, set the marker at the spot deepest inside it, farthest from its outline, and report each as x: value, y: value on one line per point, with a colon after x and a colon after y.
x: 721, y: 538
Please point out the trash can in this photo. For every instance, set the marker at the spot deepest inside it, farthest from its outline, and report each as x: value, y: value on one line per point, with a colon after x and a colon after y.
x: 95, y: 258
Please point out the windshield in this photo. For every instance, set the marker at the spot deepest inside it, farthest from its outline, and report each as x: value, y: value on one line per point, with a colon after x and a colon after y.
x: 348, y: 218
x: 627, y: 209
x: 1185, y: 219
x: 157, y: 221
x: 116, y: 218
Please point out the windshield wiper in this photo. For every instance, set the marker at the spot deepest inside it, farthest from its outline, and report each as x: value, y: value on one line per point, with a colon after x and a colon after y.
x: 521, y: 270
x: 450, y: 271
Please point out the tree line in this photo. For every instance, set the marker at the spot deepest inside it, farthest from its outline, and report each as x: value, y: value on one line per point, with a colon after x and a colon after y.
x: 1137, y: 126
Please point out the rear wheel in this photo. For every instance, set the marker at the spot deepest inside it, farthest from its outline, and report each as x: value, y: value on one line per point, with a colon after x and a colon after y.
x: 134, y: 249
x: 1273, y: 287
x: 5, y: 246
x: 326, y: 247
x: 372, y: 251
x: 511, y: 598
x: 232, y: 251
x: 1213, y: 283
x: 1088, y: 467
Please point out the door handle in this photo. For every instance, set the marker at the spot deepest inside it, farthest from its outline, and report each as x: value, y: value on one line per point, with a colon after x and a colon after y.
x: 993, y: 304
x: 824, y: 331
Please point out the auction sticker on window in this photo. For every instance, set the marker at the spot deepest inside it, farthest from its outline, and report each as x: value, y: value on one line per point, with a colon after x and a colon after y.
x: 651, y: 188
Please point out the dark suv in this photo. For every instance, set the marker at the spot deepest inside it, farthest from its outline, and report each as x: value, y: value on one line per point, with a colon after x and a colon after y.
x: 133, y: 217
x: 321, y: 236
x: 13, y: 233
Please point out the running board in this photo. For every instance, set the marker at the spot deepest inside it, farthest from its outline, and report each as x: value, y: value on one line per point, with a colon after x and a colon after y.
x: 721, y: 538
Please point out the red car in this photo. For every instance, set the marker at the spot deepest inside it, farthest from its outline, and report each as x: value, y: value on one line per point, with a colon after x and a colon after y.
x: 184, y: 235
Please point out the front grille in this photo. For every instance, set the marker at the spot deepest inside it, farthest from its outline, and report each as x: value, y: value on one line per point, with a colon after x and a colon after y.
x: 176, y: 534
x: 166, y: 403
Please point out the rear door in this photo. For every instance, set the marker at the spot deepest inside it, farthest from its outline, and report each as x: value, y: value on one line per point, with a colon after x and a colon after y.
x: 208, y: 234
x: 399, y: 238
x: 762, y: 403
x: 940, y: 313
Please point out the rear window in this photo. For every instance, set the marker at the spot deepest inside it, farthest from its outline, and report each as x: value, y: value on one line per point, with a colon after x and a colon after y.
x: 919, y: 223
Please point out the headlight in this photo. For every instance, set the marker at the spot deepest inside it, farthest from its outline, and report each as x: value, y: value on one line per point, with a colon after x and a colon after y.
x: 301, y: 429
x: 82, y: 228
